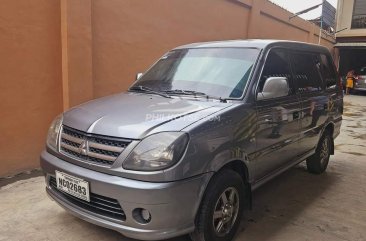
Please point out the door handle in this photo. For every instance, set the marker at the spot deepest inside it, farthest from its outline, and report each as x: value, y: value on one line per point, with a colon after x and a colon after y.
x: 267, y: 121
x: 288, y: 141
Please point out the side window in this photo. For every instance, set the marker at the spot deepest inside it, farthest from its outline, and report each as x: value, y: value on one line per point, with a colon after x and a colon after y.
x: 307, y: 73
x: 327, y: 70
x: 275, y: 79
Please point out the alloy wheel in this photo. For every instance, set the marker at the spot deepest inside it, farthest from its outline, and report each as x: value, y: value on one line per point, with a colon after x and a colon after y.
x: 324, y: 152
x: 226, y: 211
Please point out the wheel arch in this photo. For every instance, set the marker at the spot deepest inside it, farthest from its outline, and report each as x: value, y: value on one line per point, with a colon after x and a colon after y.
x: 240, y: 167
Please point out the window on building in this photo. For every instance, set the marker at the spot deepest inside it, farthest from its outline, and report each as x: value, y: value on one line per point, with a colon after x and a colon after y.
x: 359, y: 14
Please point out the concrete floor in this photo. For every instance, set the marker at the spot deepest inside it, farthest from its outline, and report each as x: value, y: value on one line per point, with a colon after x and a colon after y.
x: 294, y: 206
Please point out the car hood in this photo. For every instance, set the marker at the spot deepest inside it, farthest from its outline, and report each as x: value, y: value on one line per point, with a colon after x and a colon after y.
x: 135, y: 115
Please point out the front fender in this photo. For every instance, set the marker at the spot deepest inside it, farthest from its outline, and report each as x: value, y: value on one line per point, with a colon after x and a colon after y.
x: 231, y: 155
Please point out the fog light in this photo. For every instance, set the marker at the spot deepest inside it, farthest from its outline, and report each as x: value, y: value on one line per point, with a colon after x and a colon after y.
x: 141, y: 215
x: 146, y: 215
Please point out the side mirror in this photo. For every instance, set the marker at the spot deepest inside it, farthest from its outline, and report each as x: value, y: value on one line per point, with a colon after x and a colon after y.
x: 274, y: 87
x: 138, y: 75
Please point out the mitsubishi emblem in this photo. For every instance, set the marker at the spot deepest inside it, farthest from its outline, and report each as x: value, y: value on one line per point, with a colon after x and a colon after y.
x: 83, y: 148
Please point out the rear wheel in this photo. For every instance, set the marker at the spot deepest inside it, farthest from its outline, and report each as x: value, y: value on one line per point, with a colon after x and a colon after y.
x: 221, y: 210
x: 318, y: 162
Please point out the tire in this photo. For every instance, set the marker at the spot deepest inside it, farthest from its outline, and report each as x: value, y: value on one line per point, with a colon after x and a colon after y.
x: 318, y: 163
x: 228, y: 185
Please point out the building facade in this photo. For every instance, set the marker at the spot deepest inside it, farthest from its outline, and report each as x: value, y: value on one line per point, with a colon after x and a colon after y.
x: 351, y: 35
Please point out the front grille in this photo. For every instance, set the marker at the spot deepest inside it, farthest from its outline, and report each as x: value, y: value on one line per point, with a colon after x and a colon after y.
x: 90, y: 147
x: 98, y: 204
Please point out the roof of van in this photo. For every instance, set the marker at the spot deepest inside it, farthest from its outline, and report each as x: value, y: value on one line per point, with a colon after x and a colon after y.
x: 253, y: 43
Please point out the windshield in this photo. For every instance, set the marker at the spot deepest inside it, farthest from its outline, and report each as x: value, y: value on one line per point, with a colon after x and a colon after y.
x: 220, y: 72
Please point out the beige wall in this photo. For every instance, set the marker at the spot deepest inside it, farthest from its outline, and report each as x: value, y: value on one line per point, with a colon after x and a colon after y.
x: 129, y: 35
x: 58, y: 53
x: 30, y: 82
x: 344, y: 20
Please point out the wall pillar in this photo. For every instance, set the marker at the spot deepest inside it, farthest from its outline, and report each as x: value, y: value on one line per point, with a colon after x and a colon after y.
x: 311, y: 34
x: 77, y: 51
x: 64, y: 56
x: 254, y: 22
x: 336, y: 57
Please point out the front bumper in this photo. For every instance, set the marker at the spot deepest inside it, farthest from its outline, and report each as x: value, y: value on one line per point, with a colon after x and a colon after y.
x: 172, y: 205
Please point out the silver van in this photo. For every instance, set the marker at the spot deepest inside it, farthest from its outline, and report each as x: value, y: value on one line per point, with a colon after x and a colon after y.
x: 360, y: 82
x: 183, y: 149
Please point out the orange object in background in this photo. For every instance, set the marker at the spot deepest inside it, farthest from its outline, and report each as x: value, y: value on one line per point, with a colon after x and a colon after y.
x: 350, y: 79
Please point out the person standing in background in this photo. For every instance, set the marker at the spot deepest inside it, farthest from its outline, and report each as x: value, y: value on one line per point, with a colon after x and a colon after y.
x: 350, y: 81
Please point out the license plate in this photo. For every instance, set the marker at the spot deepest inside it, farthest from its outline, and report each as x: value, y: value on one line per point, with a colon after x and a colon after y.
x: 74, y: 186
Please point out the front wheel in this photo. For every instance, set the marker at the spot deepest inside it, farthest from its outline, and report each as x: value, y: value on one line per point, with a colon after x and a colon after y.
x: 318, y: 162
x: 221, y: 210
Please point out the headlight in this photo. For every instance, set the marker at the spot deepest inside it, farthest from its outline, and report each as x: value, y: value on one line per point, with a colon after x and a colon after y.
x: 157, y: 152
x: 53, y: 132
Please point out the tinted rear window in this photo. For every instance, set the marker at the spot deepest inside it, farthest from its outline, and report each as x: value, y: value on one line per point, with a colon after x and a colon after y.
x: 307, y: 73
x: 327, y: 70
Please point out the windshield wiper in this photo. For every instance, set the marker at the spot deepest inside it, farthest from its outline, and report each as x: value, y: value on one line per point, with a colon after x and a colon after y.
x: 148, y: 90
x: 194, y: 93
x: 184, y: 92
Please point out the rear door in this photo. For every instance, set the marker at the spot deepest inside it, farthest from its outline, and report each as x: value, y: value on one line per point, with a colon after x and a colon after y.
x: 278, y: 119
x: 314, y: 99
x: 334, y: 92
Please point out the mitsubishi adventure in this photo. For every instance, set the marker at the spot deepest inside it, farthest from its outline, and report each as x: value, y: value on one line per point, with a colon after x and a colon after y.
x: 183, y: 149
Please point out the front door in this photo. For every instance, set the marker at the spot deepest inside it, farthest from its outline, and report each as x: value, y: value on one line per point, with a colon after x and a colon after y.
x: 278, y: 119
